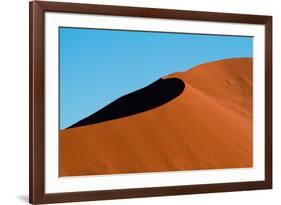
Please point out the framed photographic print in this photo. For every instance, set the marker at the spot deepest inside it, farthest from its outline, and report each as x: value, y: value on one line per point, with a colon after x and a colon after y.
x: 139, y: 102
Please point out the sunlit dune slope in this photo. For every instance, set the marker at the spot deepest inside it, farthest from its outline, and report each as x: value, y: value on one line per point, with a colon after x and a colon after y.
x: 209, y: 126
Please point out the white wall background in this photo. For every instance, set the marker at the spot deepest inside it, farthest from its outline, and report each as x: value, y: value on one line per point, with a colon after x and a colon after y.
x: 14, y: 100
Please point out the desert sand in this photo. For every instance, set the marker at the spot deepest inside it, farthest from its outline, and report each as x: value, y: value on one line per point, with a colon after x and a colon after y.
x: 208, y: 126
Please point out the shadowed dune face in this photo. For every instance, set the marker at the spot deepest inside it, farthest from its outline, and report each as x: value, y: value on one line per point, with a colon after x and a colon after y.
x: 207, y: 126
x: 156, y: 94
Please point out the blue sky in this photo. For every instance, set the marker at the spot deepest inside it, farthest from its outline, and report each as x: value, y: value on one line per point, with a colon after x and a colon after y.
x: 99, y: 66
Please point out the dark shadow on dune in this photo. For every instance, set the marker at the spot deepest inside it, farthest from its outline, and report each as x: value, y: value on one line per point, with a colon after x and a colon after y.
x: 147, y: 98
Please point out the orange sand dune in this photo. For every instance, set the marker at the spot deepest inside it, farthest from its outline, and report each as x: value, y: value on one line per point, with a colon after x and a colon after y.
x: 209, y: 126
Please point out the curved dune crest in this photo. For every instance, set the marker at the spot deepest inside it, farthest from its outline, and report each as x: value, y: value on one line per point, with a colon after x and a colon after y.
x: 133, y: 103
x: 209, y: 126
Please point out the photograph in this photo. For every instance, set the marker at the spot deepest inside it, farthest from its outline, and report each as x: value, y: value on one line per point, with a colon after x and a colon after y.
x: 142, y: 101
